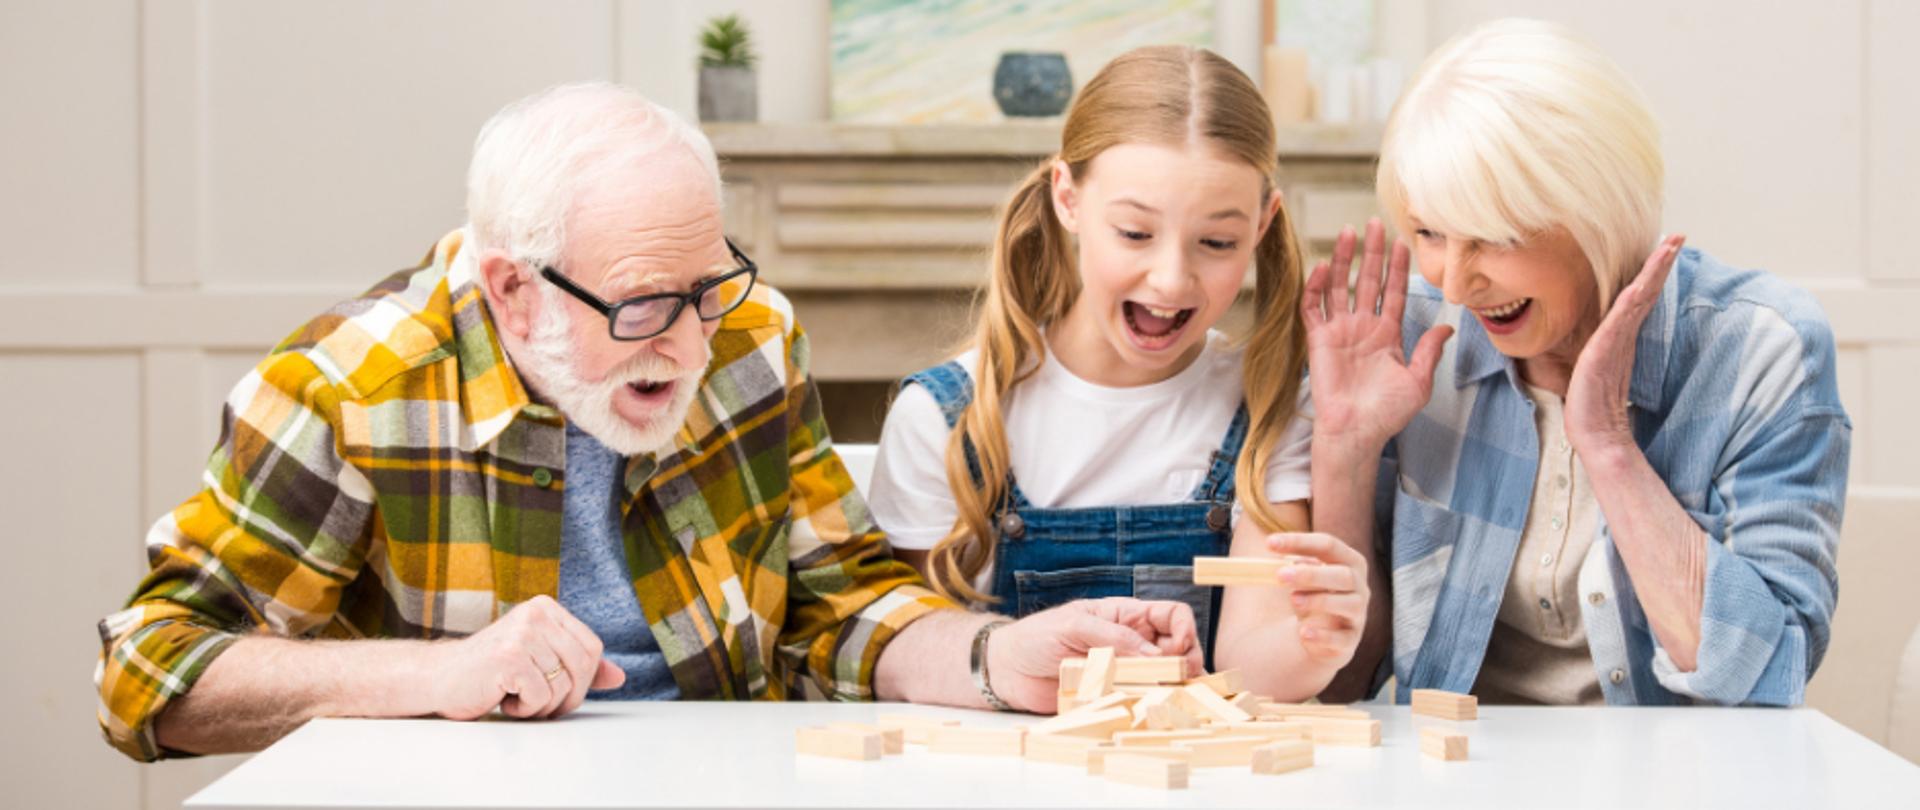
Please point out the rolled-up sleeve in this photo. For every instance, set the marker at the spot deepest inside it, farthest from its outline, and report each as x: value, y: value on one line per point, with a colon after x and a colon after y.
x: 848, y: 597
x: 1771, y: 580
x: 268, y: 543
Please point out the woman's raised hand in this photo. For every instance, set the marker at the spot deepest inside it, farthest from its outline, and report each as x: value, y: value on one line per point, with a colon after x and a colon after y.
x: 1365, y: 390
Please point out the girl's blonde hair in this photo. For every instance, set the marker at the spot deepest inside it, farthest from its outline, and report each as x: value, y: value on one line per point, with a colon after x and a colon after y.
x: 1519, y: 127
x: 1168, y: 95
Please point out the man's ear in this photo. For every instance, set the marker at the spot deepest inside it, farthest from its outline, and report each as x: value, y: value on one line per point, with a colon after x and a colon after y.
x: 509, y: 293
x: 1066, y: 197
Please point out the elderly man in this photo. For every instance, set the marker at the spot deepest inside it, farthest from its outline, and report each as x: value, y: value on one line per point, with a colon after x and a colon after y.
x: 575, y: 453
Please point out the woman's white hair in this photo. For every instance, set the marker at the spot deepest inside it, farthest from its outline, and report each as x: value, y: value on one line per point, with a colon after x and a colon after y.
x: 1518, y: 127
x: 533, y: 158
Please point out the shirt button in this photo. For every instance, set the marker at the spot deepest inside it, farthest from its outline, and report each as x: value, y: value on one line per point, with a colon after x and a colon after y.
x: 542, y: 477
x: 1546, y: 560
x: 1560, y: 481
x: 1618, y: 677
x: 1596, y: 597
x: 1557, y: 521
x: 1546, y: 605
x: 1565, y: 447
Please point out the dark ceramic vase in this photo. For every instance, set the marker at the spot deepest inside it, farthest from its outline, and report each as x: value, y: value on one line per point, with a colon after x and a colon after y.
x: 1032, y: 85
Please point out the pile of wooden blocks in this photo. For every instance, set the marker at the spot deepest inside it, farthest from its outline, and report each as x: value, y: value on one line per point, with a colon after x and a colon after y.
x: 1134, y: 720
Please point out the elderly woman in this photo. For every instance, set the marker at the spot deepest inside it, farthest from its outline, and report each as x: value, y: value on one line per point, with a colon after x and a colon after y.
x: 1621, y: 481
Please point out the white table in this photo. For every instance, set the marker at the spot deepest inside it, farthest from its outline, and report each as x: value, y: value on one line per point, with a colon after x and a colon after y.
x: 742, y: 755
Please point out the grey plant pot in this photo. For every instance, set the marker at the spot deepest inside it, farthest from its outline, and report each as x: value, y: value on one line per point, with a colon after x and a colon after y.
x: 728, y: 94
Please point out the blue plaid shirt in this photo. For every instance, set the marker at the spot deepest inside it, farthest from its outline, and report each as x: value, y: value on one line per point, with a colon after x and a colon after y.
x: 1734, y: 404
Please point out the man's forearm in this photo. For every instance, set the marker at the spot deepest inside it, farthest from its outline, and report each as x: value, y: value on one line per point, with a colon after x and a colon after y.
x: 928, y: 661
x: 261, y: 688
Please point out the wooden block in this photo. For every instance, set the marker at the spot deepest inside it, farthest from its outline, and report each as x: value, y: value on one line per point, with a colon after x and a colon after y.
x: 1247, y: 702
x: 1097, y: 679
x: 1283, y: 757
x: 1126, y: 739
x: 1270, y: 729
x: 1340, y: 731
x: 1239, y: 570
x: 1060, y: 750
x: 1107, y: 701
x: 916, y: 728
x: 1220, y: 752
x: 1152, y: 772
x: 1312, y: 710
x: 1212, y: 704
x: 1143, y: 711
x: 1096, y: 723
x: 893, y: 740
x: 1443, y: 704
x: 1150, y: 669
x: 1442, y: 744
x: 1172, y: 716
x: 838, y: 743
x: 1070, y: 669
x: 1097, y: 757
x: 1222, y: 683
x: 991, y: 742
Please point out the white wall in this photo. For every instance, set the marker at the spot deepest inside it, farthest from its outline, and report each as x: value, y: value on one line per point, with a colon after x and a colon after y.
x: 181, y: 183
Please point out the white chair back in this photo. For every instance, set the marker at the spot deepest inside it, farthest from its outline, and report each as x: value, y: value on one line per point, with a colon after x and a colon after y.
x: 859, y: 459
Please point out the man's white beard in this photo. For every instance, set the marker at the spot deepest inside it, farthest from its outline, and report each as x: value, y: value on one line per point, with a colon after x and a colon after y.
x: 589, y: 405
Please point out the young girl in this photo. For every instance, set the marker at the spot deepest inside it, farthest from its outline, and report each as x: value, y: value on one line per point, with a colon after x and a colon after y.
x: 1099, y: 434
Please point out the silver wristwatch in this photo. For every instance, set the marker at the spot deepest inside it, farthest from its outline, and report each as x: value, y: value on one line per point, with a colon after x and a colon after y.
x: 978, y: 663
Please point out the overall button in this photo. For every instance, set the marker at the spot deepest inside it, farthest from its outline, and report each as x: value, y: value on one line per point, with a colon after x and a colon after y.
x: 542, y: 477
x: 1012, y: 525
x: 1219, y: 517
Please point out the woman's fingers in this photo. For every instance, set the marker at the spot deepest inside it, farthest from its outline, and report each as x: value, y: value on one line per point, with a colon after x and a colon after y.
x: 1313, y: 301
x: 1426, y: 355
x: 1393, y: 304
x: 1372, y: 263
x: 1337, y: 304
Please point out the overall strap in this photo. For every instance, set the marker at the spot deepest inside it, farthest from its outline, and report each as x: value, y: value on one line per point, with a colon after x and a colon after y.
x: 1218, y: 485
x: 952, y: 388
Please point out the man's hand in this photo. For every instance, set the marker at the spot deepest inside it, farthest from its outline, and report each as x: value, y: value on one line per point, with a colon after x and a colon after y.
x: 1023, y: 658
x: 536, y: 661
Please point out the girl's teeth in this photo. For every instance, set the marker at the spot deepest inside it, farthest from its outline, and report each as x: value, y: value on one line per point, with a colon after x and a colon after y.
x: 1162, y: 313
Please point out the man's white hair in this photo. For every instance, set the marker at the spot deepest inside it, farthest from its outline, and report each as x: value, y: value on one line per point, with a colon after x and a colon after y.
x: 1516, y: 127
x: 533, y: 158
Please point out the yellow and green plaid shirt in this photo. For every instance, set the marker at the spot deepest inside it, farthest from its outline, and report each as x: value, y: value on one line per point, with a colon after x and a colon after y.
x: 384, y: 474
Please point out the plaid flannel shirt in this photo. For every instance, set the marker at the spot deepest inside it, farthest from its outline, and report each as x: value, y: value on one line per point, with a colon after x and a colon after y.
x: 384, y: 474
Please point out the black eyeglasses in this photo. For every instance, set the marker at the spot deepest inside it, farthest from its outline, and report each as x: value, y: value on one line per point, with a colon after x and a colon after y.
x: 644, y: 316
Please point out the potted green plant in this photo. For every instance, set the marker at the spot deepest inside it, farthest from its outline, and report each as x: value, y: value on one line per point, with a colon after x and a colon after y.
x: 727, y: 90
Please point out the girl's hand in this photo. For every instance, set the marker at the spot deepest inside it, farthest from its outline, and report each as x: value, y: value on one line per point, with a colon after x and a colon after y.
x: 1329, y: 582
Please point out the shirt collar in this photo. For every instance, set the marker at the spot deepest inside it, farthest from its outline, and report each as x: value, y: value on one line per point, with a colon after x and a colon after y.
x: 491, y: 393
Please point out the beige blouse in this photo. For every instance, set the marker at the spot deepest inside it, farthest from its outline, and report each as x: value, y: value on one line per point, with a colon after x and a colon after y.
x: 1538, y: 650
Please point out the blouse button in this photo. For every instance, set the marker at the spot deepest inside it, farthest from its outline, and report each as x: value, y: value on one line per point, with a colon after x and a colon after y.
x: 1618, y: 677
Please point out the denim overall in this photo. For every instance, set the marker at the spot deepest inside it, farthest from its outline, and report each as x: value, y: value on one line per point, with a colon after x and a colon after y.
x: 1048, y: 557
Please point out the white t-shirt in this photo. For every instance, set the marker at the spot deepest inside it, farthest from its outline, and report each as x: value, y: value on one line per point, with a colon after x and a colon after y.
x: 1076, y: 444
